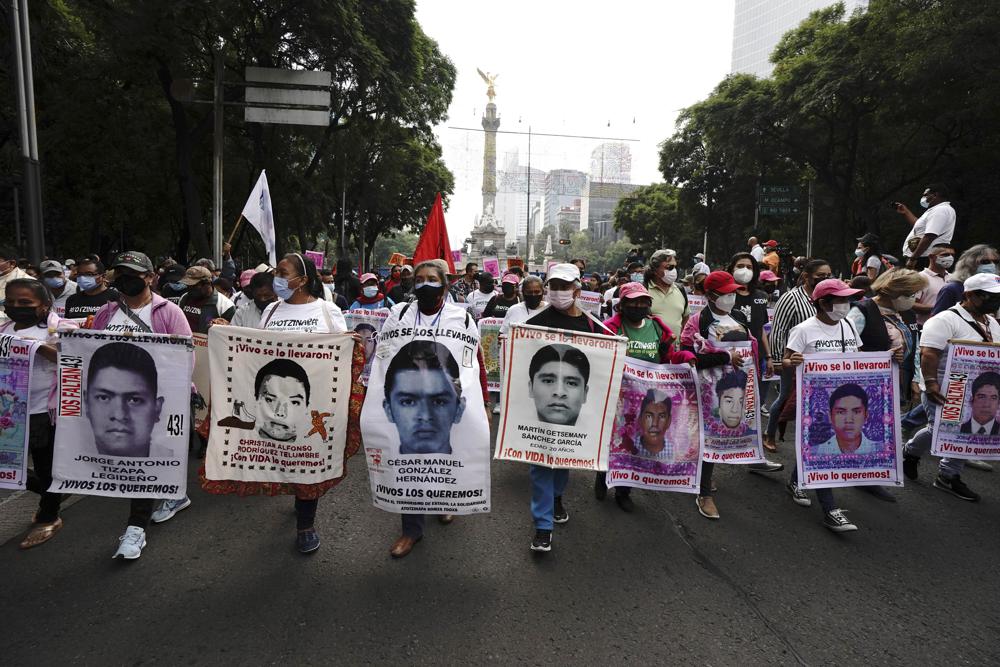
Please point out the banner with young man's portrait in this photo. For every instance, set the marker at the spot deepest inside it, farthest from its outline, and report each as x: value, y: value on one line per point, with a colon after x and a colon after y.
x: 559, y: 397
x: 657, y: 438
x: 730, y: 409
x: 967, y: 425
x: 280, y: 405
x: 17, y: 357
x: 367, y: 323
x: 124, y: 414
x: 424, y: 423
x: 848, y: 413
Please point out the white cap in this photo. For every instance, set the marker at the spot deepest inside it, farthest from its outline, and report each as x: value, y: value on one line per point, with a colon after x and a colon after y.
x: 985, y: 282
x: 700, y: 256
x: 568, y: 272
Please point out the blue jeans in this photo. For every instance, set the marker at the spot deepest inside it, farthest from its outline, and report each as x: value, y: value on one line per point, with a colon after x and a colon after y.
x: 920, y: 443
x: 786, y: 384
x: 546, y: 485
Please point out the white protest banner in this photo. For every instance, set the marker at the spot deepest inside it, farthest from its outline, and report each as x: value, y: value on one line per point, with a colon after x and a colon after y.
x: 425, y: 428
x: 367, y: 324
x: 590, y: 302
x: 657, y: 438
x: 847, y: 407
x: 730, y: 409
x: 124, y: 417
x: 16, y: 360
x: 201, y: 377
x: 560, y: 396
x: 489, y: 340
x: 280, y: 403
x: 967, y: 426
x: 697, y: 302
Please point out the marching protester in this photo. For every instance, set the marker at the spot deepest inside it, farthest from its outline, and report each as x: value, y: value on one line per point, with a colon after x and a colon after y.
x: 261, y: 295
x: 751, y: 302
x: 139, y: 309
x: 393, y: 278
x: 432, y: 310
x: 869, y: 260
x: 404, y: 290
x: 479, y: 298
x: 771, y: 285
x: 532, y: 303
x: 772, y: 260
x: 829, y: 330
x: 649, y: 339
x: 28, y: 305
x: 170, y: 286
x: 981, y: 258
x: 301, y: 307
x: 887, y: 323
x: 942, y: 258
x: 718, y: 322
x: 9, y: 270
x: 972, y: 319
x: 501, y: 303
x: 468, y: 283
x: 670, y: 302
x: 54, y: 277
x: 202, y: 304
x: 794, y: 307
x: 549, y: 484
x: 93, y: 292
x: 934, y: 227
x: 371, y: 297
x: 345, y: 283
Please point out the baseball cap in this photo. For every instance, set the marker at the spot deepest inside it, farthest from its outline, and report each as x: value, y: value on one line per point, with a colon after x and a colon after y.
x: 246, y: 276
x: 568, y: 272
x: 721, y: 282
x: 833, y: 287
x: 70, y: 262
x: 135, y: 260
x: 406, y: 267
x: 510, y: 279
x: 195, y: 275
x: 771, y: 244
x: 365, y: 277
x: 982, y: 282
x: 868, y: 238
x: 767, y: 276
x: 700, y: 256
x: 633, y: 291
x: 50, y: 265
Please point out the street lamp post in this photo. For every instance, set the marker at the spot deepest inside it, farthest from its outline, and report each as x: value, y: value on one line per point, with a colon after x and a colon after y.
x: 29, y: 138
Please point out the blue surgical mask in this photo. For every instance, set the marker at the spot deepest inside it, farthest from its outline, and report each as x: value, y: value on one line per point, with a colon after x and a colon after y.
x: 282, y: 289
x: 370, y: 291
x: 86, y: 283
x: 986, y: 268
x: 177, y: 287
x: 924, y: 202
x: 55, y: 282
x: 636, y: 277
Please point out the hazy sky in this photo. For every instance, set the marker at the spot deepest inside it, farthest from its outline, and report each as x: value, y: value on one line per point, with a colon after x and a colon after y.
x: 610, y: 69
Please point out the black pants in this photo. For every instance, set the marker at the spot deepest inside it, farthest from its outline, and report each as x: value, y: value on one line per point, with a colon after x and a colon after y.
x: 706, y: 478
x: 413, y: 525
x: 305, y: 513
x: 602, y: 478
x: 41, y: 442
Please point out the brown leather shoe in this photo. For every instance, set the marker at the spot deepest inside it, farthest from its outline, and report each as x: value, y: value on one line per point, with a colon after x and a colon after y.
x: 769, y: 444
x: 706, y: 507
x: 403, y: 546
x: 446, y: 518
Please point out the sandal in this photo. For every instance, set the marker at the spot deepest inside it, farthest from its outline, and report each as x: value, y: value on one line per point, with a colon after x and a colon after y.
x: 41, y: 533
x: 770, y: 445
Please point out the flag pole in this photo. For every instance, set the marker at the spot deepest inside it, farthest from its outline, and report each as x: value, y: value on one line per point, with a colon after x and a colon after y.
x: 239, y: 221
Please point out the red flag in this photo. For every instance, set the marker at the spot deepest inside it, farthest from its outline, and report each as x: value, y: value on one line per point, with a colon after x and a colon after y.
x: 433, y: 243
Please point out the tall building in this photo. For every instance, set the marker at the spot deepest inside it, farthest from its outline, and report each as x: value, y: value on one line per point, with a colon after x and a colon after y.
x: 563, y: 187
x: 512, y: 195
x: 760, y: 24
x: 611, y: 163
x: 598, y: 207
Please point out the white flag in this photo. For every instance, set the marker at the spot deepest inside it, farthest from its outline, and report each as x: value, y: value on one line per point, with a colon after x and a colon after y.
x: 258, y: 213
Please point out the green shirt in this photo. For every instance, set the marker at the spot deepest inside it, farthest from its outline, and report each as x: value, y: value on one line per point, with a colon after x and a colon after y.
x: 670, y: 306
x: 644, y: 342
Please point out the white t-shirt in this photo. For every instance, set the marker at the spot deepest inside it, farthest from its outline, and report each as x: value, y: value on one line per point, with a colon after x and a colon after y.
x: 477, y: 302
x: 120, y: 322
x: 519, y: 314
x: 59, y: 302
x: 43, y: 371
x: 247, y: 315
x: 757, y: 252
x: 950, y: 325
x: 938, y: 219
x: 813, y: 336
x: 318, y: 316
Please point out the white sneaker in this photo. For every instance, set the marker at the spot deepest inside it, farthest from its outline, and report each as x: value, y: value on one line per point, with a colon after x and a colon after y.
x: 168, y: 508
x: 131, y: 542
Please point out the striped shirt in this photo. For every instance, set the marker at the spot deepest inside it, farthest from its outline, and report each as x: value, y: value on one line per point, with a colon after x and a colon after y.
x: 793, y: 308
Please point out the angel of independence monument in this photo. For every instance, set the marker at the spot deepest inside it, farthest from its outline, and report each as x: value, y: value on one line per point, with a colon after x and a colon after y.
x: 487, y: 238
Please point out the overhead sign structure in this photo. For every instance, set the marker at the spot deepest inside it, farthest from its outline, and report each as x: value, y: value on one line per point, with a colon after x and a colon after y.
x: 287, y: 97
x: 778, y: 200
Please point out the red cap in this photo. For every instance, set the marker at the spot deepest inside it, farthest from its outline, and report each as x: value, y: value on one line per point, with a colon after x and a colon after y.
x: 771, y: 244
x: 833, y: 287
x: 720, y: 282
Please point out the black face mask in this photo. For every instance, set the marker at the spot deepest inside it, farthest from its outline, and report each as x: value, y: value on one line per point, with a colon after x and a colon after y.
x: 989, y: 306
x: 261, y: 305
x: 635, y: 313
x: 407, y: 283
x: 486, y: 288
x: 130, y: 285
x: 508, y: 291
x: 26, y: 315
x: 427, y: 297
x: 532, y: 301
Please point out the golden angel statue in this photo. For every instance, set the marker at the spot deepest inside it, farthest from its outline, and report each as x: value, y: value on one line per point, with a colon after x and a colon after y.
x: 489, y: 79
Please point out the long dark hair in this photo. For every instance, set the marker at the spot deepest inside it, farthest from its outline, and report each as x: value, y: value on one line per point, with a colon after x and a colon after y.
x: 873, y: 249
x: 313, y: 284
x: 38, y: 290
x: 755, y: 281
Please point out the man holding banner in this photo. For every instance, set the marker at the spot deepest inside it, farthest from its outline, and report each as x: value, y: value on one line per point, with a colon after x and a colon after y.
x: 971, y: 320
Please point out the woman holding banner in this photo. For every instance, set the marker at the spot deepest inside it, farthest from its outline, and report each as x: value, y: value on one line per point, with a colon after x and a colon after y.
x: 829, y: 330
x: 719, y: 322
x: 422, y: 365
x: 301, y: 306
x: 28, y: 304
x: 649, y: 339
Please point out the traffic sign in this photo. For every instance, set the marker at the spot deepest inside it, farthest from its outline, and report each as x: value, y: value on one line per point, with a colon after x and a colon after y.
x: 778, y: 200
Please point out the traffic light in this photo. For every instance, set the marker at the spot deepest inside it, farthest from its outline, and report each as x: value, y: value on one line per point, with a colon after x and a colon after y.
x: 563, y: 241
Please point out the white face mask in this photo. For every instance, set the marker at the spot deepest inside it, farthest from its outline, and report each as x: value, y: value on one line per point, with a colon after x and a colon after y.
x: 924, y: 202
x: 561, y: 299
x: 839, y: 311
x: 904, y: 303
x: 669, y: 276
x: 945, y: 262
x: 859, y: 253
x: 726, y: 302
x: 743, y: 275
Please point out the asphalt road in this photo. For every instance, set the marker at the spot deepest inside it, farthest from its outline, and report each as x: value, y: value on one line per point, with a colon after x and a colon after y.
x: 767, y: 584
